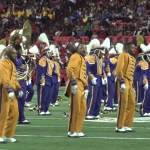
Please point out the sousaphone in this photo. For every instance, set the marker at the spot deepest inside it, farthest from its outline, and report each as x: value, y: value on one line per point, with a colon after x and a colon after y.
x: 26, y: 35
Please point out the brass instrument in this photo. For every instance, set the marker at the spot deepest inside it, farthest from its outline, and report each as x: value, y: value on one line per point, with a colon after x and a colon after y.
x: 22, y: 37
x: 21, y: 74
x: 26, y: 35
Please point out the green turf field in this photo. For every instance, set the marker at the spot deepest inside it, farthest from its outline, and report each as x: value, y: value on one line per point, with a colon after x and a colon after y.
x: 50, y: 133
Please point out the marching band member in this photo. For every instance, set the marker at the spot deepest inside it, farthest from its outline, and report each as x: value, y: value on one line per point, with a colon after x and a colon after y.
x: 124, y: 72
x: 55, y: 78
x: 30, y: 89
x: 110, y: 65
x: 16, y: 41
x: 9, y: 87
x: 31, y: 78
x: 139, y: 76
x: 76, y: 91
x: 20, y: 40
x: 95, y: 78
x: 44, y: 75
x: 119, y: 47
x: 21, y: 66
x: 106, y: 45
x: 145, y: 71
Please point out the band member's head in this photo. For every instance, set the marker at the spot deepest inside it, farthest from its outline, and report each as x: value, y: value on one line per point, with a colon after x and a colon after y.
x: 42, y: 41
x: 82, y: 50
x: 15, y: 39
x: 96, y: 48
x: 71, y: 49
x: 49, y: 54
x: 131, y: 48
x: 45, y: 51
x: 11, y: 53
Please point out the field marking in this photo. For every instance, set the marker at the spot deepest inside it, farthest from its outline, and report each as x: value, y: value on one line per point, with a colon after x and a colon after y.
x: 113, y: 120
x: 103, y: 119
x: 45, y: 118
x: 89, y: 127
x: 86, y: 137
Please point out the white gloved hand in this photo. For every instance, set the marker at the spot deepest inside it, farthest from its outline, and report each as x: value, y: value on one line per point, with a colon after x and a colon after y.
x: 20, y: 94
x: 74, y: 89
x: 42, y: 84
x: 86, y: 94
x: 108, y: 74
x: 94, y: 82
x: 146, y: 87
x: 104, y: 81
x: 123, y: 87
x: 11, y: 95
x: 29, y: 81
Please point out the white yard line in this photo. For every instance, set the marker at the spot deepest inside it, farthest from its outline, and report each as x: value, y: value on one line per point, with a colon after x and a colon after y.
x: 89, y: 127
x: 104, y: 119
x: 112, y: 120
x: 87, y: 137
x: 43, y: 118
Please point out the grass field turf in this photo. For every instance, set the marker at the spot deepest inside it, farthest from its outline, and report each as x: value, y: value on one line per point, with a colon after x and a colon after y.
x: 50, y: 133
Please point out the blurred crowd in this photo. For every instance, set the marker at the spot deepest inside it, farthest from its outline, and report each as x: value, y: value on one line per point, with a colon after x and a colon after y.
x: 77, y: 18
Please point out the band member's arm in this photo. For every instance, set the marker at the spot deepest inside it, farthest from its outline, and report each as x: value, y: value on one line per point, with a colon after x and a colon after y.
x: 119, y: 67
x: 72, y: 65
x: 90, y: 60
x: 7, y: 81
x: 144, y: 70
x: 107, y: 66
x: 41, y: 71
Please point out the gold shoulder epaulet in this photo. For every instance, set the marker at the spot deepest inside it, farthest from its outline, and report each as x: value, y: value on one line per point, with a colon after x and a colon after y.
x: 90, y: 59
x: 144, y: 65
x: 113, y: 60
x: 42, y: 62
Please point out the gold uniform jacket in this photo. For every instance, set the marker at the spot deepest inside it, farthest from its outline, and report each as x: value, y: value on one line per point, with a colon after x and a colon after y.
x: 125, y: 67
x: 9, y: 75
x: 76, y: 70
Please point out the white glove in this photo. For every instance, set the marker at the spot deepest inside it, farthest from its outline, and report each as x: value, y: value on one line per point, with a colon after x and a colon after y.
x: 29, y: 81
x: 94, y: 82
x: 86, y: 94
x: 104, y: 81
x: 42, y: 84
x: 146, y: 87
x: 74, y: 89
x: 123, y: 87
x: 108, y: 74
x: 11, y: 95
x: 20, y: 94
